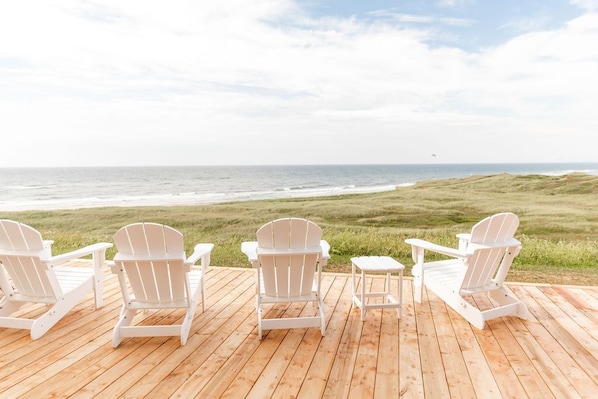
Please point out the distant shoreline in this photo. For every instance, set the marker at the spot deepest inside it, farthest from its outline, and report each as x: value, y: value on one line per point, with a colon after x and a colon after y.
x: 96, y: 187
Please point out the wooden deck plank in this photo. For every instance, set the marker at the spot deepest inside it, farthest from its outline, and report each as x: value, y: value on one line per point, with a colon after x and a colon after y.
x: 363, y: 380
x: 281, y: 364
x: 275, y: 367
x: 410, y: 374
x: 339, y: 379
x: 574, y: 339
x: 45, y: 359
x: 507, y: 360
x: 455, y: 368
x: 433, y: 374
x: 430, y: 352
x: 296, y: 374
x: 574, y: 308
x: 253, y: 368
x: 581, y: 299
x: 570, y: 370
x: 215, y: 331
x: 387, y: 366
x: 338, y: 302
x: 550, y: 375
x: 512, y: 341
x: 480, y: 374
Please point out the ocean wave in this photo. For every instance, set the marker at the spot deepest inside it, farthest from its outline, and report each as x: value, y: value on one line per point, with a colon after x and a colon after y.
x: 180, y: 199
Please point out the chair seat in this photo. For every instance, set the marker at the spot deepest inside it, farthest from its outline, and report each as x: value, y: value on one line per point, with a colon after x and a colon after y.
x: 72, y: 277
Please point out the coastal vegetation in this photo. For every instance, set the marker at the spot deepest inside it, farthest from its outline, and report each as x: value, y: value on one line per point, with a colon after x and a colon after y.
x: 558, y: 222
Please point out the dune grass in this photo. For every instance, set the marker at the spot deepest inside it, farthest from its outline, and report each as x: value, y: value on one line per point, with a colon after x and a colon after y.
x: 558, y: 230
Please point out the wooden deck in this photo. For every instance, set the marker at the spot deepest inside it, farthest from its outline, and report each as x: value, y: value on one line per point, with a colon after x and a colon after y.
x: 430, y: 353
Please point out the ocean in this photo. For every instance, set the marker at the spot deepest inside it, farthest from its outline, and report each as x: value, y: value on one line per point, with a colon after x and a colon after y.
x: 71, y: 188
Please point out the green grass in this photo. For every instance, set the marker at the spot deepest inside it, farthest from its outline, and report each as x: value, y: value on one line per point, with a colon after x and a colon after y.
x: 559, y: 222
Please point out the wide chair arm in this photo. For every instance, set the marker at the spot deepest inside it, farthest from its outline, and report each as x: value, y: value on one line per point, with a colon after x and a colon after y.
x: 249, y: 248
x: 98, y: 253
x: 325, y: 252
x: 94, y: 250
x: 418, y: 246
x: 200, y: 251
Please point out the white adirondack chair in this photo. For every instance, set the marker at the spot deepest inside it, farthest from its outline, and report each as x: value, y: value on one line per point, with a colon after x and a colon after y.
x: 288, y: 257
x: 30, y: 274
x: 479, y: 265
x: 154, y: 273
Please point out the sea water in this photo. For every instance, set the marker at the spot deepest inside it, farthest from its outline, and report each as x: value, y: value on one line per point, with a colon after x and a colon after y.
x: 72, y: 188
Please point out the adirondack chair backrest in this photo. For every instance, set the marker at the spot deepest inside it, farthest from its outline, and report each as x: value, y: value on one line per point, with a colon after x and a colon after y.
x: 495, y: 229
x: 21, y: 251
x: 288, y: 252
x: 152, y: 256
x: 495, y: 248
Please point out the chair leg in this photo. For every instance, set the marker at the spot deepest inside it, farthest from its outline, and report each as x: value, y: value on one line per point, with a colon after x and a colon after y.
x: 418, y: 283
x: 203, y: 295
x: 9, y: 307
x: 322, y: 317
x: 186, y: 324
x: 99, y: 259
x: 258, y: 311
x: 504, y: 297
x: 42, y: 324
x: 186, y: 328
x: 126, y: 317
x: 259, y: 324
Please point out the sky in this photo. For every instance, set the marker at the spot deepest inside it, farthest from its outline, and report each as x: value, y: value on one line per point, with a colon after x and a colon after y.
x: 244, y: 82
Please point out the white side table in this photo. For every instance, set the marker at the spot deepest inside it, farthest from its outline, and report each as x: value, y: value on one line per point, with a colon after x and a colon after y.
x: 373, y: 265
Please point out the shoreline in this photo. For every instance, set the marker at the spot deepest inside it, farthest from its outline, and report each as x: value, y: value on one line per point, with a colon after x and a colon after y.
x: 71, y: 189
x: 189, y: 199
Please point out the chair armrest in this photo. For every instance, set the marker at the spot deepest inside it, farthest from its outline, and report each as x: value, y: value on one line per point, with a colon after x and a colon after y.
x: 464, y: 239
x: 202, y: 251
x: 429, y: 246
x: 249, y: 248
x: 325, y: 249
x: 93, y: 250
x: 47, y: 251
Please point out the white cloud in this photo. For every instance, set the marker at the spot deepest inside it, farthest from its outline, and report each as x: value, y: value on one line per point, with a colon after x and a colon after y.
x: 590, y: 5
x: 186, y: 82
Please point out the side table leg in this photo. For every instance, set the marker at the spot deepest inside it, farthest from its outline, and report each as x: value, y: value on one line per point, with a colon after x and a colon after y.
x: 400, y: 293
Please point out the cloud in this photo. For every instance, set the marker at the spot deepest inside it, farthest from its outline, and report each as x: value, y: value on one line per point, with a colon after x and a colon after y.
x: 422, y: 19
x: 235, y: 82
x: 589, y: 5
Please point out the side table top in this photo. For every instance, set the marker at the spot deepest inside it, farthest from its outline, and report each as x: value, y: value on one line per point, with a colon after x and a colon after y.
x: 383, y: 264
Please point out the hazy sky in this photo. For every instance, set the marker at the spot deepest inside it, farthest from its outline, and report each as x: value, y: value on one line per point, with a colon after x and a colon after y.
x: 188, y: 82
